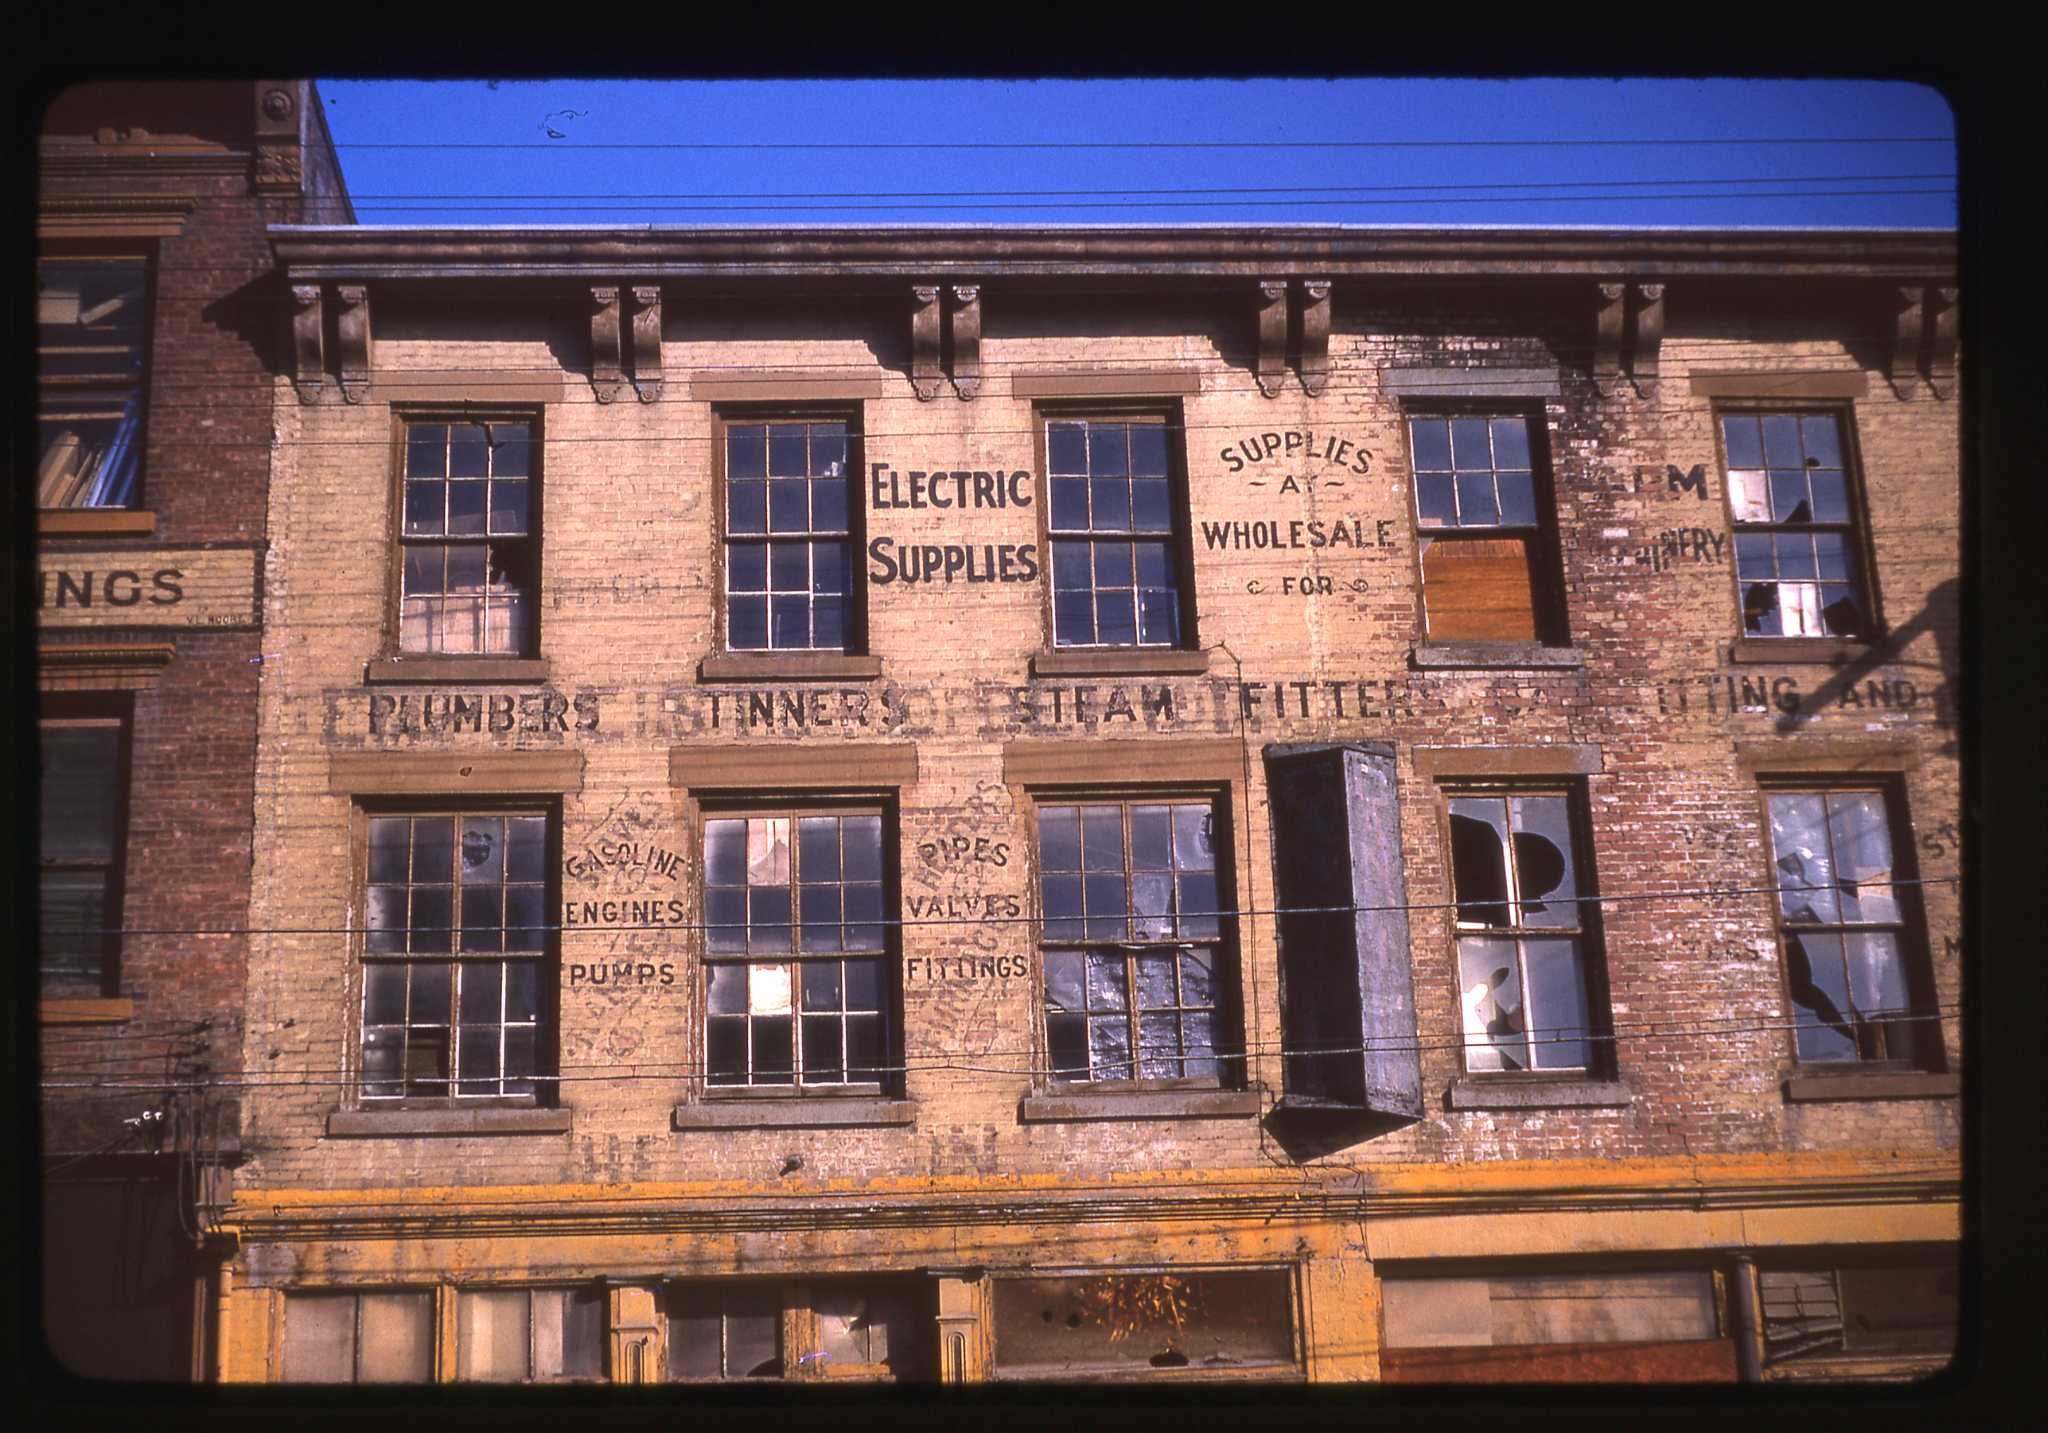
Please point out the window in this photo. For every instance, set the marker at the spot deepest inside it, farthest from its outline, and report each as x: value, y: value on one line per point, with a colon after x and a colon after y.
x: 796, y: 969
x: 834, y: 1328
x: 456, y: 957
x: 529, y: 1335
x: 84, y: 826
x: 1526, y: 1309
x: 91, y: 322
x: 1815, y: 1313
x: 1795, y: 528
x: 1131, y: 939
x: 469, y: 558
x: 789, y: 536
x: 1523, y: 931
x: 1487, y: 561
x: 1844, y: 929
x: 1117, y: 559
x: 359, y: 1338
x: 1116, y: 1325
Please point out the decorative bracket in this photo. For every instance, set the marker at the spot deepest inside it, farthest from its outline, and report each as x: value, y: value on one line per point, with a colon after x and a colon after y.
x: 352, y: 338
x: 607, y: 366
x: 965, y: 323
x: 1941, y: 358
x: 1315, y: 336
x: 1907, y: 326
x: 1607, y: 337
x: 1272, y: 352
x: 1649, y: 336
x: 1629, y: 333
x: 309, y: 339
x: 647, y: 341
x: 926, y: 373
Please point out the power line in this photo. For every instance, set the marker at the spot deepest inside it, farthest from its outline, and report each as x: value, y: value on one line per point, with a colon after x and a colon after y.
x: 1190, y: 144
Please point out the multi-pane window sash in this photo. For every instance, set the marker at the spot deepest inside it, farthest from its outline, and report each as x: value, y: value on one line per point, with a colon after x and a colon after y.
x: 1521, y: 932
x: 795, y: 950
x: 1842, y: 927
x: 455, y: 953
x: 1129, y: 898
x: 1475, y: 504
x: 91, y: 318
x: 1795, y: 531
x: 1115, y: 578
x: 79, y: 890
x: 467, y: 539
x: 788, y: 540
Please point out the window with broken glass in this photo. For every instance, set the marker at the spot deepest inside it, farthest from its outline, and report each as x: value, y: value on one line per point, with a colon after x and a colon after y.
x: 1902, y: 1310
x: 832, y: 1328
x: 529, y: 1335
x: 84, y: 745
x: 92, y: 318
x: 467, y: 548
x: 1132, y: 1323
x: 1487, y: 564
x: 1796, y: 538
x: 456, y: 955
x: 1112, y: 525
x: 796, y: 967
x: 789, y: 572
x: 1524, y: 931
x: 1132, y: 940
x: 1856, y: 996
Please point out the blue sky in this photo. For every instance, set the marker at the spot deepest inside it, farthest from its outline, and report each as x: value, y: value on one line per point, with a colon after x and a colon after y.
x: 1350, y: 151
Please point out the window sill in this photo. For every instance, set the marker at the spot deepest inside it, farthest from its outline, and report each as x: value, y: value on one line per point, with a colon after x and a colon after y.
x: 793, y: 1112
x: 1815, y: 1089
x: 95, y: 522
x: 397, y: 1123
x: 1819, y: 651
x: 60, y: 1011
x: 1086, y: 1104
x: 1120, y: 662
x: 425, y: 667
x: 788, y: 667
x: 1453, y: 655
x: 1538, y: 1094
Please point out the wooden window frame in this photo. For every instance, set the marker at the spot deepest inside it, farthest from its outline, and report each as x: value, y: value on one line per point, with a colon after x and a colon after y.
x: 1226, y: 966
x: 799, y: 1337
x: 109, y: 251
x: 1549, y: 613
x: 1861, y: 544
x: 793, y: 807
x: 724, y: 418
x: 462, y: 1291
x: 403, y: 418
x: 432, y: 1293
x: 547, y: 1021
x: 99, y: 709
x: 1909, y: 929
x: 1168, y: 413
x: 1290, y: 1370
x: 1588, y: 930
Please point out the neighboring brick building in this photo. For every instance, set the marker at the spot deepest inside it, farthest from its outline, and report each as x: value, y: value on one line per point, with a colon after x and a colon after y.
x: 157, y: 337
x: 766, y: 733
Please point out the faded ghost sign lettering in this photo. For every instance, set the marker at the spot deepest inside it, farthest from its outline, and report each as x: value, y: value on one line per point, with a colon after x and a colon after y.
x: 545, y: 710
x: 146, y: 587
x: 1298, y: 532
x: 1296, y: 447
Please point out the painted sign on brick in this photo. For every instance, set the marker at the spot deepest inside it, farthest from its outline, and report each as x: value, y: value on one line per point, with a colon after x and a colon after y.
x: 146, y: 587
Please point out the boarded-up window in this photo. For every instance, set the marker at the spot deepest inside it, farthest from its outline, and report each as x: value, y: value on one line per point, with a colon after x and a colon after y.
x: 359, y: 1338
x: 1118, y: 1325
x: 1549, y: 1309
x: 528, y: 1335
x: 1485, y: 553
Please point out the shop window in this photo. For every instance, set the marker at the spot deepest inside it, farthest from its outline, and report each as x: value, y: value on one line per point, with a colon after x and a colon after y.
x: 1549, y: 1309
x: 1858, y: 989
x: 1116, y: 522
x: 1524, y: 931
x: 789, y: 535
x: 1126, y: 1325
x: 796, y: 968
x: 867, y: 1329
x: 359, y: 1338
x: 1132, y: 939
x: 457, y: 966
x: 1488, y: 554
x: 1797, y: 541
x: 83, y: 835
x: 529, y: 1335
x: 468, y: 540
x: 92, y: 320
x: 1859, y: 1311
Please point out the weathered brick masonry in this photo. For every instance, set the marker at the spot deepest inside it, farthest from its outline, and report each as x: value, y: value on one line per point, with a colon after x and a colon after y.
x: 1699, y: 1143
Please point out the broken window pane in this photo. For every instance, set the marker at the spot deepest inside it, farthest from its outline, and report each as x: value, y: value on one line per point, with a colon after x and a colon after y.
x: 1818, y: 985
x: 768, y: 852
x: 1543, y: 862
x: 1123, y: 1324
x: 1492, y: 1004
x: 1862, y: 846
x: 864, y: 1326
x: 1556, y: 1005
x: 1479, y: 860
x: 1800, y: 844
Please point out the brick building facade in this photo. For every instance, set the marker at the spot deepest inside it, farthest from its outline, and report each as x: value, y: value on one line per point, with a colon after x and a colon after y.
x: 156, y: 339
x: 1191, y: 803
